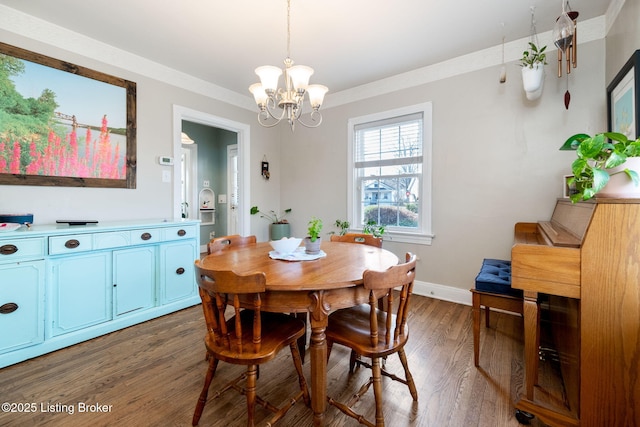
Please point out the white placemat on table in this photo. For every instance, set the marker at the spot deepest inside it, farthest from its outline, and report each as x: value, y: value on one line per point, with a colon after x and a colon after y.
x: 298, y: 255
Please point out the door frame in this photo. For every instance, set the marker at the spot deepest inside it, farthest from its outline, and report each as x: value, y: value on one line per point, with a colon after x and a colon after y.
x: 243, y: 133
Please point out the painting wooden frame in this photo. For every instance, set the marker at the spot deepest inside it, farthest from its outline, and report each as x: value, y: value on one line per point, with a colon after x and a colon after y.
x: 74, y: 152
x: 623, y: 99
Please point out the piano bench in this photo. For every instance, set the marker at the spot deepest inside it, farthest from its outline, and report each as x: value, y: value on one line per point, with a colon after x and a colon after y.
x: 493, y: 290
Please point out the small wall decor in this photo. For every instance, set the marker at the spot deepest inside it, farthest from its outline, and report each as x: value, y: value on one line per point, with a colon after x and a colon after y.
x: 623, y: 99
x: 265, y: 168
x: 75, y: 127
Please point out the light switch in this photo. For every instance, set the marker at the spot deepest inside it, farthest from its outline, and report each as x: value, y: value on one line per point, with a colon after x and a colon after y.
x: 166, y: 176
x: 222, y: 198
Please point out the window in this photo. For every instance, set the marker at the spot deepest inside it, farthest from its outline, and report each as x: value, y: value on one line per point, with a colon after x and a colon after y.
x: 390, y: 179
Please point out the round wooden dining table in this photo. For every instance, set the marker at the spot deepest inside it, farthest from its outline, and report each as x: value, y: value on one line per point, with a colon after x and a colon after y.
x: 318, y: 287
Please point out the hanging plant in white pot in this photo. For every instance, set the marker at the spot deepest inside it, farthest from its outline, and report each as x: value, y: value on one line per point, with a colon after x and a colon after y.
x: 533, y: 62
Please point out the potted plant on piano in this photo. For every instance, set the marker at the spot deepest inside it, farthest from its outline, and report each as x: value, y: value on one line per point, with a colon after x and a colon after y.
x: 608, y: 164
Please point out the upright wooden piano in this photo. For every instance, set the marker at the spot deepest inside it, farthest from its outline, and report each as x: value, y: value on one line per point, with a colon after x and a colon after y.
x: 587, y: 260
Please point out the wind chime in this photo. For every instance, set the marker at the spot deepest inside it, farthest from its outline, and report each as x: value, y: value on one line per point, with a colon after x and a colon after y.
x: 565, y: 35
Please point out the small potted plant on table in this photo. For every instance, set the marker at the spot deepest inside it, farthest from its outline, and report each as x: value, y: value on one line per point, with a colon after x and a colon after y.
x: 313, y: 240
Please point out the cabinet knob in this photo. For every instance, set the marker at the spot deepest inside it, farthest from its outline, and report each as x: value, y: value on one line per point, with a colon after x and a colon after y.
x: 181, y: 232
x: 145, y: 236
x: 180, y: 270
x: 72, y: 244
x: 8, y: 249
x: 9, y: 307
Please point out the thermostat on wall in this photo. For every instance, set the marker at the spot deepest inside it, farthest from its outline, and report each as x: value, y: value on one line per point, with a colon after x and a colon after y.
x: 166, y: 161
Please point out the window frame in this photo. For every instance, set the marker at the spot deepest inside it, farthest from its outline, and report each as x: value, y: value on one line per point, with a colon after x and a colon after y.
x: 423, y: 235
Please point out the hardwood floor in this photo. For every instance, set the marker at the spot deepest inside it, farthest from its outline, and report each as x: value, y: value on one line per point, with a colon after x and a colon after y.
x: 151, y: 375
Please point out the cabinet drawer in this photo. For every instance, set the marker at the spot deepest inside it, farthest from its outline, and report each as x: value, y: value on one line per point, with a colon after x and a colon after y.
x: 115, y: 239
x: 179, y: 233
x: 20, y: 249
x: 70, y: 244
x: 147, y: 235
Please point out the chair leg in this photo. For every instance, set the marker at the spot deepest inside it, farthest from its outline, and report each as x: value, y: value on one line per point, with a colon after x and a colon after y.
x: 486, y: 316
x: 377, y: 390
x: 211, y: 371
x: 353, y: 359
x: 297, y: 361
x: 250, y: 388
x: 407, y: 375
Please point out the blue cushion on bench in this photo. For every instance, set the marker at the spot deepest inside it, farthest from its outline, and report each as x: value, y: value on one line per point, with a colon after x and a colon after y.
x: 495, y: 277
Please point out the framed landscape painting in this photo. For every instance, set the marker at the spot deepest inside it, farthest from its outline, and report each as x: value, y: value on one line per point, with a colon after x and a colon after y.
x: 64, y: 125
x: 623, y: 99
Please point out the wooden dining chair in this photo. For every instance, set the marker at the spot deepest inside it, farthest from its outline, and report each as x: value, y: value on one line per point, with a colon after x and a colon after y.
x: 235, y: 240
x: 376, y: 333
x: 250, y: 337
x: 365, y: 239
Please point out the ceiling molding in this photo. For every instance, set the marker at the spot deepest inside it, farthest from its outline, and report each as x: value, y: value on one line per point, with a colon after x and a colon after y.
x: 45, y: 32
x: 37, y: 29
x: 590, y: 30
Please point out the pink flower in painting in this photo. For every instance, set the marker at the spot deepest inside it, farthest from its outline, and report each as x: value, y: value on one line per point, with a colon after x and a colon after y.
x: 14, y: 166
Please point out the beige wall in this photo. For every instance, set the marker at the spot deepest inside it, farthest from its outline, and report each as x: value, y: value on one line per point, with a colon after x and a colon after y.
x: 495, y: 160
x: 495, y: 154
x: 623, y: 38
x: 152, y: 198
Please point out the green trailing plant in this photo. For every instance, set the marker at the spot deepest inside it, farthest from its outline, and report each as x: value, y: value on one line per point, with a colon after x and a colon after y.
x: 343, y: 226
x: 273, y: 216
x: 315, y: 227
x: 533, y: 55
x: 596, y: 156
x: 372, y: 227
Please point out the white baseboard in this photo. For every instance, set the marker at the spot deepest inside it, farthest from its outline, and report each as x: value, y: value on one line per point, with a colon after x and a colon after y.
x: 442, y: 292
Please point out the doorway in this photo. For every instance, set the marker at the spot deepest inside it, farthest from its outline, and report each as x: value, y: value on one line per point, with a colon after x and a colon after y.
x: 237, y: 201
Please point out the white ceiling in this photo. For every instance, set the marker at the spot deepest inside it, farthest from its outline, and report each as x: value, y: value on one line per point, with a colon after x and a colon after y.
x: 347, y: 42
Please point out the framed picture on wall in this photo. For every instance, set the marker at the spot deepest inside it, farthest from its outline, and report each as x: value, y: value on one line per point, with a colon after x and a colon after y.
x: 623, y: 99
x: 64, y: 125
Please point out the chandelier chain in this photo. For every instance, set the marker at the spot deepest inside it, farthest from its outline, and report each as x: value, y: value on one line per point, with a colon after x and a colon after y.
x: 288, y: 28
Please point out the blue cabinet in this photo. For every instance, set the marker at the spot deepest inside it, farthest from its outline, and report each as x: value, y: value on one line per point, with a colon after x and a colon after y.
x: 134, y: 284
x: 21, y: 304
x: 177, y: 272
x: 60, y: 285
x: 80, y: 291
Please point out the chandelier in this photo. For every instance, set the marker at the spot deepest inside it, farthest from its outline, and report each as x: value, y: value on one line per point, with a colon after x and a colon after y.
x: 289, y: 99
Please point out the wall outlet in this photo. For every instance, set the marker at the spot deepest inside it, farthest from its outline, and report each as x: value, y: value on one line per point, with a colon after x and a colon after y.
x: 212, y: 235
x: 205, y: 184
x: 222, y: 198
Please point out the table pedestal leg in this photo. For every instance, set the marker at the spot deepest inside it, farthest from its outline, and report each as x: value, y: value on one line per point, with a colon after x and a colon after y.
x: 318, y: 349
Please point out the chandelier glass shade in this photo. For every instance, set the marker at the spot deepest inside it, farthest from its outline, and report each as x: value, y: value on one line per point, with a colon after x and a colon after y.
x: 276, y: 104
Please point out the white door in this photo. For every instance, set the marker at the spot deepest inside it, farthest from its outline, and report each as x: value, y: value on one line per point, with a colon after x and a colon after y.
x: 232, y: 189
